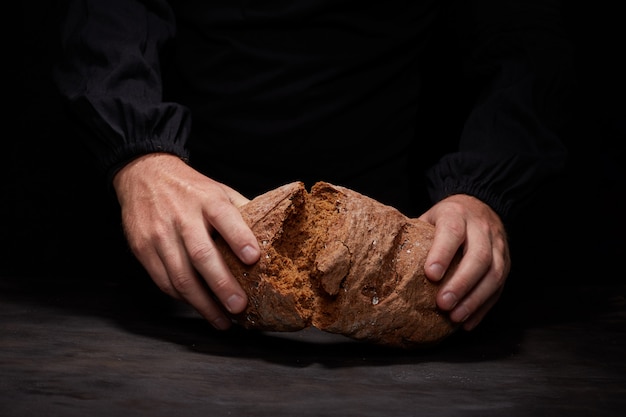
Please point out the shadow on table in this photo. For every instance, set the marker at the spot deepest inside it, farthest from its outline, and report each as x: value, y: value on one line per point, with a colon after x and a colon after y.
x: 139, y: 308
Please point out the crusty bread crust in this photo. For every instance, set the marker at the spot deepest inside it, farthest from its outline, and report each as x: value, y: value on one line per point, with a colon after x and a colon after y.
x: 339, y: 261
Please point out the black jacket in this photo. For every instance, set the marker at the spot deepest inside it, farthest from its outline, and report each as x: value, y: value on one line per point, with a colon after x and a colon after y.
x: 390, y: 98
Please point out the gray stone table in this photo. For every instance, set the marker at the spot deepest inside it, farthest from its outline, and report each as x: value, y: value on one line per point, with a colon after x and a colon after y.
x: 86, y: 348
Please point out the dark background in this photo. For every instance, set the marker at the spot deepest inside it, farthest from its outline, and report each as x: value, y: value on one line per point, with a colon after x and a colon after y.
x: 58, y: 220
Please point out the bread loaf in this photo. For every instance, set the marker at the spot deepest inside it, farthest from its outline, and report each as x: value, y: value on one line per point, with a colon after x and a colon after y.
x: 339, y: 261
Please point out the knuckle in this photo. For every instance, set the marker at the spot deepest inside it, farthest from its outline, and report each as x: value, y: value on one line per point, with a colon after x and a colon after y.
x: 457, y: 229
x: 483, y: 255
x: 182, y: 281
x: 202, y: 253
x: 500, y: 271
x: 216, y: 211
x: 139, y: 246
x: 140, y: 242
x: 465, y: 286
x: 499, y: 277
x: 167, y: 288
x: 221, y: 285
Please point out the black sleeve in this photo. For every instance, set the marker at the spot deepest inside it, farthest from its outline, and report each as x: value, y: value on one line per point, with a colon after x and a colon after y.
x: 110, y: 75
x: 517, y: 58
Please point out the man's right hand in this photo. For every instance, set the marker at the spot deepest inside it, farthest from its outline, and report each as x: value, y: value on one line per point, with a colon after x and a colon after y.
x: 169, y: 211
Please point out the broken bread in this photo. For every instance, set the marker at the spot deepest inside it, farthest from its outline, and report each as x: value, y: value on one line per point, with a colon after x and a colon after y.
x: 342, y: 262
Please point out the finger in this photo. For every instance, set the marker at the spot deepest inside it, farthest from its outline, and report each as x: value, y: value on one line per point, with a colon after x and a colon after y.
x: 154, y: 266
x: 476, y: 317
x: 483, y: 295
x: 473, y: 300
x: 147, y: 254
x: 462, y: 281
x: 171, y: 272
x: 207, y: 260
x: 229, y: 223
x: 190, y: 287
x: 448, y: 238
x: 474, y: 264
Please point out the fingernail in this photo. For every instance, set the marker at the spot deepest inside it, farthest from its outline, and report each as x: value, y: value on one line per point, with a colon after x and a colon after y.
x: 436, y: 271
x: 460, y: 314
x: 235, y: 303
x: 449, y: 301
x: 221, y: 323
x: 249, y: 254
